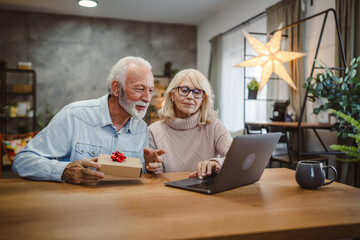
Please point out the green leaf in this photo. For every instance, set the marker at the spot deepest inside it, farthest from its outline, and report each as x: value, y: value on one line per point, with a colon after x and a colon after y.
x: 319, y: 86
x: 326, y: 107
x: 347, y: 118
x: 352, y: 61
x: 343, y: 87
x: 353, y: 73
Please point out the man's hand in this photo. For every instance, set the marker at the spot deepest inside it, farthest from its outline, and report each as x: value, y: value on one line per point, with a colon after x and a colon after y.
x: 79, y: 172
x: 205, y: 168
x: 153, y: 159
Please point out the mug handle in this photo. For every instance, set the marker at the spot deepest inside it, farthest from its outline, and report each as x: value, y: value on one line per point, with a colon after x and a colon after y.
x: 335, y: 172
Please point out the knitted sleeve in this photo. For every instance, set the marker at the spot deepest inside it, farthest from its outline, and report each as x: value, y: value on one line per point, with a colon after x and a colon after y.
x: 222, y: 141
x: 152, y: 142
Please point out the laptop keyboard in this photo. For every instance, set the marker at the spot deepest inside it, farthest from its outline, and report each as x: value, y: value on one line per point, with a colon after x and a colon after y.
x: 203, y: 185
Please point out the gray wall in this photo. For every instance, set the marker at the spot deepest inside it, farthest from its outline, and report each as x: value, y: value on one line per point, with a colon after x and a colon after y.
x: 73, y: 55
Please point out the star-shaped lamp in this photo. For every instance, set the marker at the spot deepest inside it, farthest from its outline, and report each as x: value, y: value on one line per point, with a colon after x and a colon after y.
x: 270, y: 58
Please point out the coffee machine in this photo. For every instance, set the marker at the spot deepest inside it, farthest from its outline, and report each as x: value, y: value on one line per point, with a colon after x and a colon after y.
x: 279, y: 110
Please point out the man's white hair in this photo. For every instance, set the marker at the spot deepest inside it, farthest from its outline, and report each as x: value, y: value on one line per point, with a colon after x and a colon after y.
x: 120, y: 69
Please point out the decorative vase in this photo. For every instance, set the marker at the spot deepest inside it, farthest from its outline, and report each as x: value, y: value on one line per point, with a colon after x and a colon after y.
x: 252, y: 94
x: 13, y: 111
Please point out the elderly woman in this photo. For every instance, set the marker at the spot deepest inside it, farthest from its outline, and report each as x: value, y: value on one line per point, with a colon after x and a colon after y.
x: 189, y: 131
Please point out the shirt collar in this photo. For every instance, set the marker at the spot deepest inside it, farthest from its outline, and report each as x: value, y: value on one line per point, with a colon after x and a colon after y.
x: 127, y: 126
x: 130, y: 126
x: 104, y: 111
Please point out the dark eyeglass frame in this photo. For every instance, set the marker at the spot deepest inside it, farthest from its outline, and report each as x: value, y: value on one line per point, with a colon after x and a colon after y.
x: 190, y: 90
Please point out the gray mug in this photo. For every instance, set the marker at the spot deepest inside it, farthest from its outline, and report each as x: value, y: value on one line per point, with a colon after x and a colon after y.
x: 311, y: 174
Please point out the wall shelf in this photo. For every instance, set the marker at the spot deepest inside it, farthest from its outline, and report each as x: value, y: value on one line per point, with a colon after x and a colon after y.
x: 18, y: 88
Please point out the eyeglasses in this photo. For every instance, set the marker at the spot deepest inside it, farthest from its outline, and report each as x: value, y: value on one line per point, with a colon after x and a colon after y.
x: 184, y: 91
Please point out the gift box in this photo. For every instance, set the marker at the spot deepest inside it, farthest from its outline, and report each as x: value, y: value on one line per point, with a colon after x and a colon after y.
x: 128, y: 168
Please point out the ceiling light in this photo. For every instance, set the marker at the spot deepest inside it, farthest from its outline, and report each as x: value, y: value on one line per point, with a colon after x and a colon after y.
x: 270, y: 58
x: 87, y: 3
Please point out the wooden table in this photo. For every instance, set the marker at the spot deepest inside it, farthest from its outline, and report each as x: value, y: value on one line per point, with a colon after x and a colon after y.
x: 273, y: 208
x: 290, y: 124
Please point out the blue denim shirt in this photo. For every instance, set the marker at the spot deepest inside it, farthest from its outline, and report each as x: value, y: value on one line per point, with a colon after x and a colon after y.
x: 80, y: 130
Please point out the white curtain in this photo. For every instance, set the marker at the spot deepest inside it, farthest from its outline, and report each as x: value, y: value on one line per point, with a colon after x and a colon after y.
x: 233, y: 81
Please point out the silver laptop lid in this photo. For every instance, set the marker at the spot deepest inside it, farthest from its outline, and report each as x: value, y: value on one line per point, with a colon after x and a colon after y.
x: 244, y: 164
x: 246, y: 160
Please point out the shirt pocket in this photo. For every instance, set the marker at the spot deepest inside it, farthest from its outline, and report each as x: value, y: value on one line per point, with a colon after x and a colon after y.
x: 86, y: 151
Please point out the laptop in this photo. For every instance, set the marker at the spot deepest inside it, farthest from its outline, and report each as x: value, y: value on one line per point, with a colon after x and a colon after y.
x: 244, y: 164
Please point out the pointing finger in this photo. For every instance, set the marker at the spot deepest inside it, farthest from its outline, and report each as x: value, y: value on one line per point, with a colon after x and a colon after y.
x: 193, y: 174
x: 160, y: 152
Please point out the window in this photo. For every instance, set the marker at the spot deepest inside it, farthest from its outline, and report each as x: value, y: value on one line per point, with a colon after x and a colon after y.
x: 234, y: 79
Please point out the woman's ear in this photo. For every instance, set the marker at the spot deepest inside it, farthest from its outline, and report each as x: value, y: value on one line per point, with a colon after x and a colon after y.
x: 115, y: 87
x: 171, y: 96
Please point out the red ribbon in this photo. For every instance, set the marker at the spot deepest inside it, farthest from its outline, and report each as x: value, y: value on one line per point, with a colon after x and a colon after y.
x: 118, y: 157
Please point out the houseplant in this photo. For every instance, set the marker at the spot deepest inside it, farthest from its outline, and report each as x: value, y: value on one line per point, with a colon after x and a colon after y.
x: 353, y: 151
x: 253, y: 87
x: 341, y: 93
x: 44, y: 118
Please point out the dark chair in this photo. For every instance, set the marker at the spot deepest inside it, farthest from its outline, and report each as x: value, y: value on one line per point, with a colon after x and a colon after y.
x: 8, y: 152
x: 286, y: 154
x: 251, y: 129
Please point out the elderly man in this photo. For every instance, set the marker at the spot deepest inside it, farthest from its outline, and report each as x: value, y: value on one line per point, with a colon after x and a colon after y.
x: 67, y: 149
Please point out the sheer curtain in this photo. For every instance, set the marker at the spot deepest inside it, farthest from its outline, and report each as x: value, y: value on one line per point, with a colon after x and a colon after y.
x: 283, y: 14
x: 349, y: 20
x: 233, y: 82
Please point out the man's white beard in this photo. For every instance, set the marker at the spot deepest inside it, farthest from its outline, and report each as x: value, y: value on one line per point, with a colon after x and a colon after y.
x: 130, y: 106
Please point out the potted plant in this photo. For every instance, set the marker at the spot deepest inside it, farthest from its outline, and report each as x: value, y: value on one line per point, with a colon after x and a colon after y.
x: 341, y: 93
x: 44, y: 118
x: 352, y: 152
x: 253, y: 87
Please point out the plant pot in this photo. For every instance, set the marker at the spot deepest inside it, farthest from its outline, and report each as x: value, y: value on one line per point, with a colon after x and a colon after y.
x: 252, y: 94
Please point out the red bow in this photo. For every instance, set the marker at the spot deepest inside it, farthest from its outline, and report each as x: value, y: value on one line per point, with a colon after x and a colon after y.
x: 119, y: 157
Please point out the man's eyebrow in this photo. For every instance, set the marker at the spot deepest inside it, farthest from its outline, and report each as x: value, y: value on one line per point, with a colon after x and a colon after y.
x: 142, y: 85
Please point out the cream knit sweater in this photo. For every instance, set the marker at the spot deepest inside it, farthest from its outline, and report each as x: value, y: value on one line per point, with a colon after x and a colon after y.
x: 186, y: 143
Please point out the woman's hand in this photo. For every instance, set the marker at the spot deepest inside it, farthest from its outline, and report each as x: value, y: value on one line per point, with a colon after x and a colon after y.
x: 205, y: 168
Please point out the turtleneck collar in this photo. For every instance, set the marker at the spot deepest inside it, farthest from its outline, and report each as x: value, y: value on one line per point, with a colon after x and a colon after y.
x: 185, y: 123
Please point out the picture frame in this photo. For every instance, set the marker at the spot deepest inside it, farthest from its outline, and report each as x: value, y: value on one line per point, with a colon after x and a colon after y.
x: 22, y: 108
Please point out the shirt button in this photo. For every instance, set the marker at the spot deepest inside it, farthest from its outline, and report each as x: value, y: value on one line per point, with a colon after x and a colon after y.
x: 93, y: 153
x: 116, y: 136
x: 82, y: 151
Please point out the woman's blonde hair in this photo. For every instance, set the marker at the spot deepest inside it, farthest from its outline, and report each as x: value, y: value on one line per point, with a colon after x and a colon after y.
x: 167, y: 112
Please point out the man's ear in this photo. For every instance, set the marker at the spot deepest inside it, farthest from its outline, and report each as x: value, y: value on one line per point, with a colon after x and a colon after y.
x: 115, y: 87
